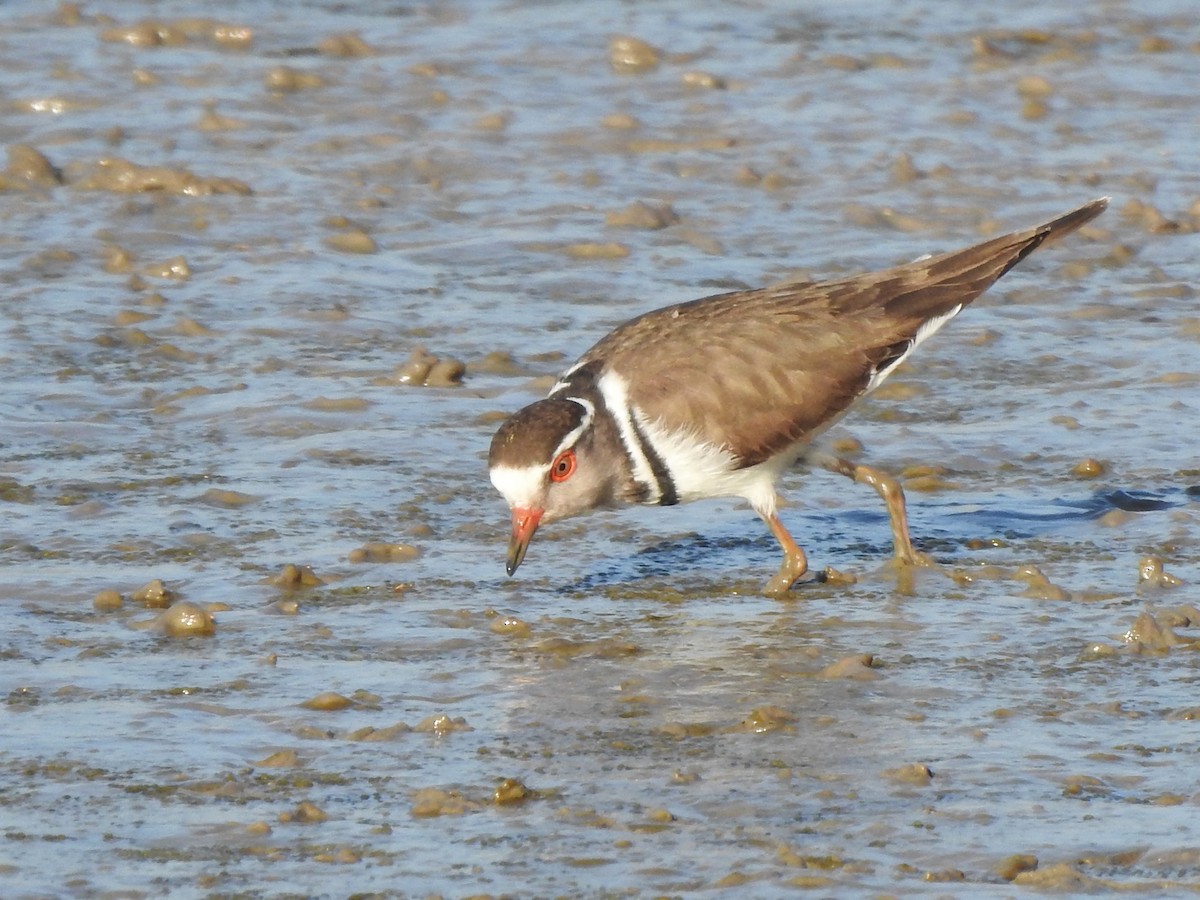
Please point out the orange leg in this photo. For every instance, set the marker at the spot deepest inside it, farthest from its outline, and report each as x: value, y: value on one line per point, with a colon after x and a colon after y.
x: 887, y: 487
x: 795, y: 563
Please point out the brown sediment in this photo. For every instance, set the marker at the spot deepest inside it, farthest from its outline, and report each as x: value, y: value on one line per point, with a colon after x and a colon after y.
x: 699, y: 735
x: 631, y: 55
x: 382, y: 552
x: 295, y: 577
x: 185, y: 619
x: 154, y: 594
x: 289, y: 80
x: 429, y: 370
x: 642, y: 215
x: 123, y: 177
x: 328, y: 701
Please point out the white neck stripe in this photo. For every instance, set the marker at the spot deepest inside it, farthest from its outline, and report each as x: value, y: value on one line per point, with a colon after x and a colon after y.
x: 564, y: 379
x: 616, y: 398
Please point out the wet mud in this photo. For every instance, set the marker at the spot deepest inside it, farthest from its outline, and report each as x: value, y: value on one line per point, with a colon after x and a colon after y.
x: 272, y: 275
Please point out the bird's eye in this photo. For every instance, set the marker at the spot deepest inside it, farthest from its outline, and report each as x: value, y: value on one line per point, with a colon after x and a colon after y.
x: 564, y: 466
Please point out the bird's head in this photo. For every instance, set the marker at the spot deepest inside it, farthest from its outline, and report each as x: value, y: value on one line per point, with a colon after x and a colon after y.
x: 543, y: 461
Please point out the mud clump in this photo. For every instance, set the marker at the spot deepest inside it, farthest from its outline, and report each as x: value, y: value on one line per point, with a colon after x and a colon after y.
x: 764, y: 719
x: 107, y: 600
x: 442, y: 724
x: 120, y: 176
x: 287, y: 80
x: 510, y: 626
x: 328, y: 701
x: 295, y: 577
x: 511, y: 791
x: 431, y: 802
x: 643, y: 215
x: 703, y: 80
x: 223, y: 498
x: 27, y: 166
x: 280, y: 759
x: 917, y: 774
x: 630, y: 56
x: 154, y: 595
x: 1014, y: 865
x: 185, y: 619
x: 1088, y: 468
x: 1148, y: 635
x: 305, y: 813
x: 425, y: 369
x: 157, y: 33
x: 379, y: 552
x: 855, y: 668
x: 596, y: 250
x: 352, y: 241
x: 1038, y: 586
x: 1151, y: 574
x: 349, y: 45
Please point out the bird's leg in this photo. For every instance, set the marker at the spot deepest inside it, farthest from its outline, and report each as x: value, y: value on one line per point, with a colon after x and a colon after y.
x: 795, y: 563
x: 887, y: 487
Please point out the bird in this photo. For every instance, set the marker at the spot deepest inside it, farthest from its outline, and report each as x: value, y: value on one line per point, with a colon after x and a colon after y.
x: 718, y: 397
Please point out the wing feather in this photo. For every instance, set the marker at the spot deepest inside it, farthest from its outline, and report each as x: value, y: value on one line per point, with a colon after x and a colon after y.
x: 759, y: 371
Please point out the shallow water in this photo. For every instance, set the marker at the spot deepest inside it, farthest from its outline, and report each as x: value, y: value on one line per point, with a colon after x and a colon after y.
x: 208, y: 422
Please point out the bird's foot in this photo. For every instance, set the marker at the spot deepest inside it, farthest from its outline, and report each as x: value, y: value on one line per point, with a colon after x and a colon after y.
x: 794, y: 564
x: 906, y: 566
x: 912, y: 557
x: 783, y: 582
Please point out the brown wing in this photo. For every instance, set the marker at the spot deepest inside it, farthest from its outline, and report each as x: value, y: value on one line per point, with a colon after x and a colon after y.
x: 778, y: 363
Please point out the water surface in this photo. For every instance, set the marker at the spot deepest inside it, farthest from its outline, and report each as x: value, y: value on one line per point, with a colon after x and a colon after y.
x: 203, y: 387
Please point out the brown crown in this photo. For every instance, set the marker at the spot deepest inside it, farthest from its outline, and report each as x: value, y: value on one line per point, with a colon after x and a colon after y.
x: 530, y: 436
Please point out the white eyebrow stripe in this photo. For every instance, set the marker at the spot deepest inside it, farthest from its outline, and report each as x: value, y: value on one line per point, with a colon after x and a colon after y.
x: 572, y: 436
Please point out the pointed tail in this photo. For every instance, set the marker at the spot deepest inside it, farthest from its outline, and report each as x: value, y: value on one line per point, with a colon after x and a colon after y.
x: 1057, y: 228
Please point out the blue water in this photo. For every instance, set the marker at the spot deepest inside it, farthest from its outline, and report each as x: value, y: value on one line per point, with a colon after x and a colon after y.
x: 132, y: 763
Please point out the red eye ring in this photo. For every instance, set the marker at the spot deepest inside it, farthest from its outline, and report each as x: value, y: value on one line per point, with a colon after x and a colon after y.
x: 563, y: 467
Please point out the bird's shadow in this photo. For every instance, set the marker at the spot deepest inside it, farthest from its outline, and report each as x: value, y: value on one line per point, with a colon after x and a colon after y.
x: 855, y: 534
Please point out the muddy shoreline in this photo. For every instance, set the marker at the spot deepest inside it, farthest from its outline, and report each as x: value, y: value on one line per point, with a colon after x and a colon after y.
x: 272, y: 277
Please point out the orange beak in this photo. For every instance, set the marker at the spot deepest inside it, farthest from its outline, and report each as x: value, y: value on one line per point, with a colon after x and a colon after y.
x: 525, y: 523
